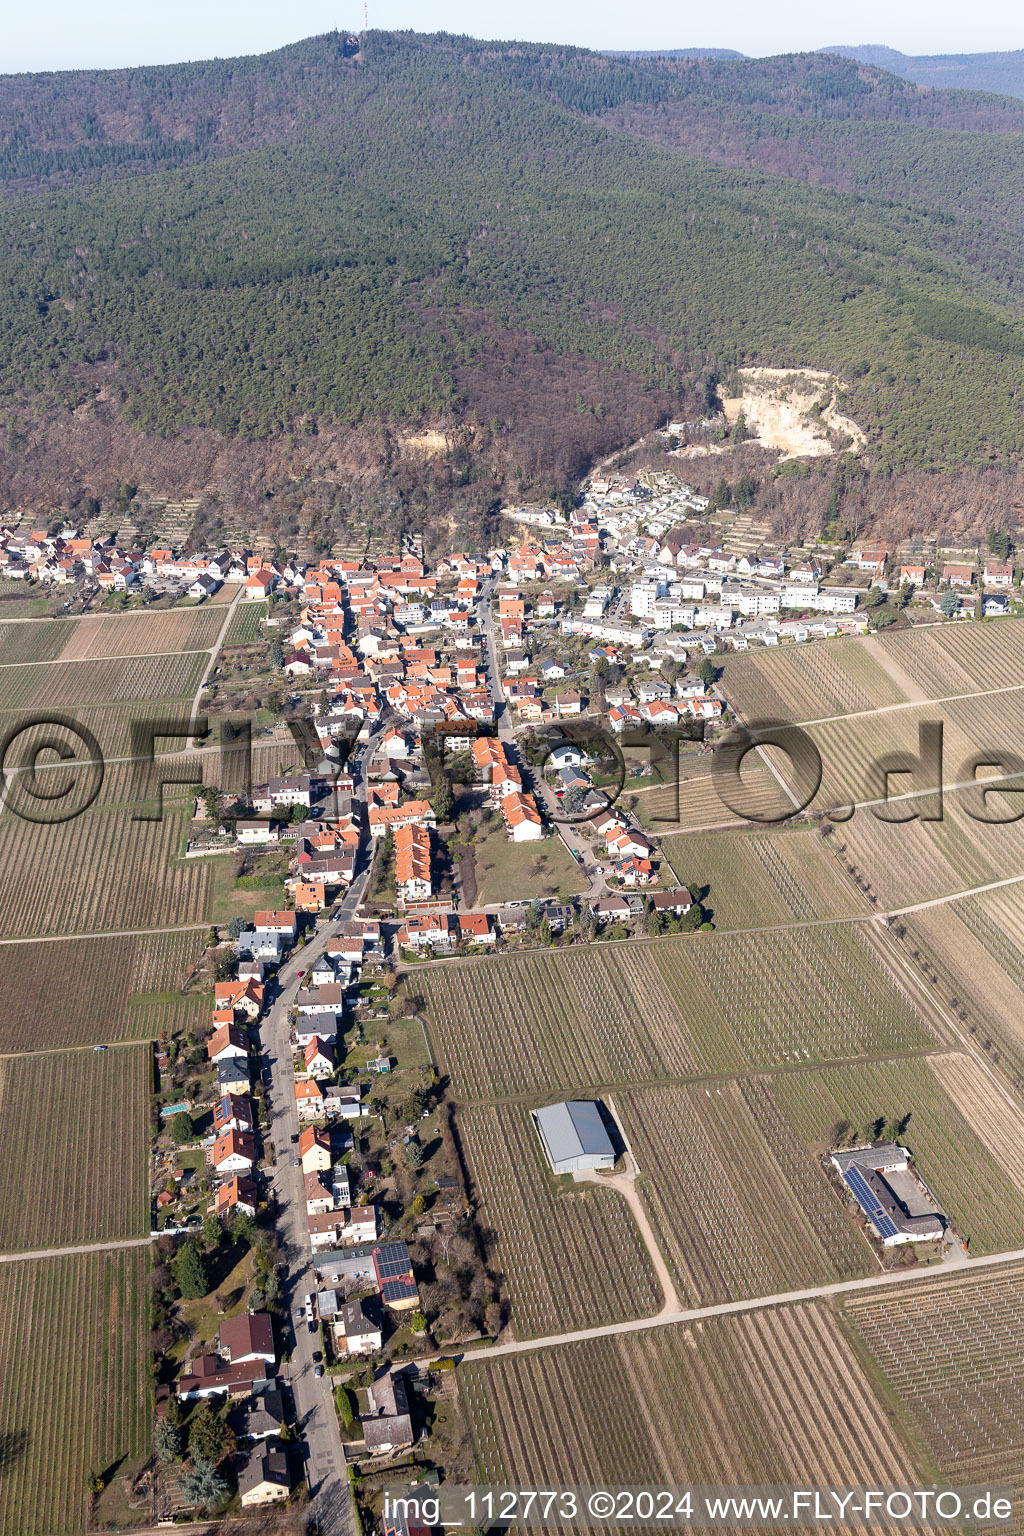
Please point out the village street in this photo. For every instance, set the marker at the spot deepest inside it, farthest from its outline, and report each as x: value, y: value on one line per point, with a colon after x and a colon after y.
x: 314, y: 1408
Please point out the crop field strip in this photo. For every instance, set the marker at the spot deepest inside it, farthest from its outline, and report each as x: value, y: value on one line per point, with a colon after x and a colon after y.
x: 578, y: 1260
x: 950, y: 1349
x: 765, y: 877
x: 742, y: 1208
x: 960, y: 658
x: 160, y: 1018
x: 806, y: 682
x: 851, y: 750
x: 244, y: 628
x: 73, y: 1141
x: 772, y: 1396
x: 74, y: 1391
x: 964, y: 1389
x: 671, y: 1008
x: 102, y: 871
x: 80, y: 991
x: 132, y: 781
x: 958, y: 1158
x: 970, y: 950
x: 43, y: 640
x: 62, y: 684
x: 798, y: 683
x: 111, y: 725
x: 909, y: 862
x: 766, y: 999
x: 665, y: 811
x: 142, y: 633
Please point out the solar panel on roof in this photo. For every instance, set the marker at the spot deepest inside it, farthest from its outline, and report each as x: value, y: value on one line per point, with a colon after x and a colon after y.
x: 868, y: 1202
x: 392, y: 1260
x: 398, y: 1290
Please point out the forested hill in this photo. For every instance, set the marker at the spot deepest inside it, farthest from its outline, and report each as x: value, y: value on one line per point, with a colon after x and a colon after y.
x: 1002, y: 72
x: 540, y: 244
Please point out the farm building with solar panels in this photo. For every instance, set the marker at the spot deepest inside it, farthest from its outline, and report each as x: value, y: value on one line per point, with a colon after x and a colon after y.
x: 889, y: 1191
x: 574, y: 1137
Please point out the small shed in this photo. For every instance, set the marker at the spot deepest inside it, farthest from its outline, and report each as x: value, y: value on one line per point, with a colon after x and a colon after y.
x: 574, y: 1137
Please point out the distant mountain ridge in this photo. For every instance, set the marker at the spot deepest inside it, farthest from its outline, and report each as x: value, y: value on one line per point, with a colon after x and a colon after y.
x: 286, y: 265
x: 1002, y: 73
x: 672, y: 53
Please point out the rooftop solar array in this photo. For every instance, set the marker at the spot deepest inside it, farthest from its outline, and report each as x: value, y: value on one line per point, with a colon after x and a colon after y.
x: 392, y: 1260
x: 398, y: 1290
x: 868, y: 1202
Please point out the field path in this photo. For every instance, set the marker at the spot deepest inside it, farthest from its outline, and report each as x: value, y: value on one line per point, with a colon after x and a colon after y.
x: 82, y: 661
x: 888, y: 709
x: 115, y: 933
x: 229, y: 611
x: 60, y: 1253
x: 894, y: 672
x: 753, y: 1304
x: 626, y: 1187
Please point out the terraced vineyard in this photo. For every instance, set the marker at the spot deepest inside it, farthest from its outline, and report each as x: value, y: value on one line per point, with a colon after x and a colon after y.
x: 74, y: 1391
x: 99, y: 872
x: 73, y: 1142
x: 79, y: 991
x: 765, y: 877
x: 951, y: 1350
x: 772, y: 1396
x: 983, y: 1196
x: 571, y: 1253
x: 743, y: 1207
x: 670, y: 1008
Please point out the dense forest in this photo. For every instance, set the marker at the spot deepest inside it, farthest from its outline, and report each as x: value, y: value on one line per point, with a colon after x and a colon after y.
x: 541, y: 251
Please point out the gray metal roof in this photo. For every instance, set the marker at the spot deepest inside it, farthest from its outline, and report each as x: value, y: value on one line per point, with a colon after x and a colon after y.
x: 573, y: 1129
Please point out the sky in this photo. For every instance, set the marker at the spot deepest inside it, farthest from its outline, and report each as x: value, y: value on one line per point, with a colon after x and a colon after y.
x: 114, y: 33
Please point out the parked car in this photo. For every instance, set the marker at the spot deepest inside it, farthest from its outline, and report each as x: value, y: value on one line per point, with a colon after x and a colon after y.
x: 318, y: 1371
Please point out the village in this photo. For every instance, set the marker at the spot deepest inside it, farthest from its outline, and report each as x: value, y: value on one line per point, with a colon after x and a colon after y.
x: 447, y: 790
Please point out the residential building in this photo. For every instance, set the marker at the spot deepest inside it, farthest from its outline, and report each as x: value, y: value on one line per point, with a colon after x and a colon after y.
x: 250, y: 1336
x: 264, y: 1479
x: 958, y: 575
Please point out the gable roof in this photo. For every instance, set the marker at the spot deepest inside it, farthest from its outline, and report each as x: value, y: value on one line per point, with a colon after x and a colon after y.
x: 251, y: 1333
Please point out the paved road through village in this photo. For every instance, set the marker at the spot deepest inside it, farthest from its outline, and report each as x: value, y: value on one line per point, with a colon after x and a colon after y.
x: 314, y: 1409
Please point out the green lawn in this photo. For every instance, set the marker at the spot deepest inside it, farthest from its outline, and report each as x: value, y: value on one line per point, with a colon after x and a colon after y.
x: 228, y: 901
x: 507, y: 871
